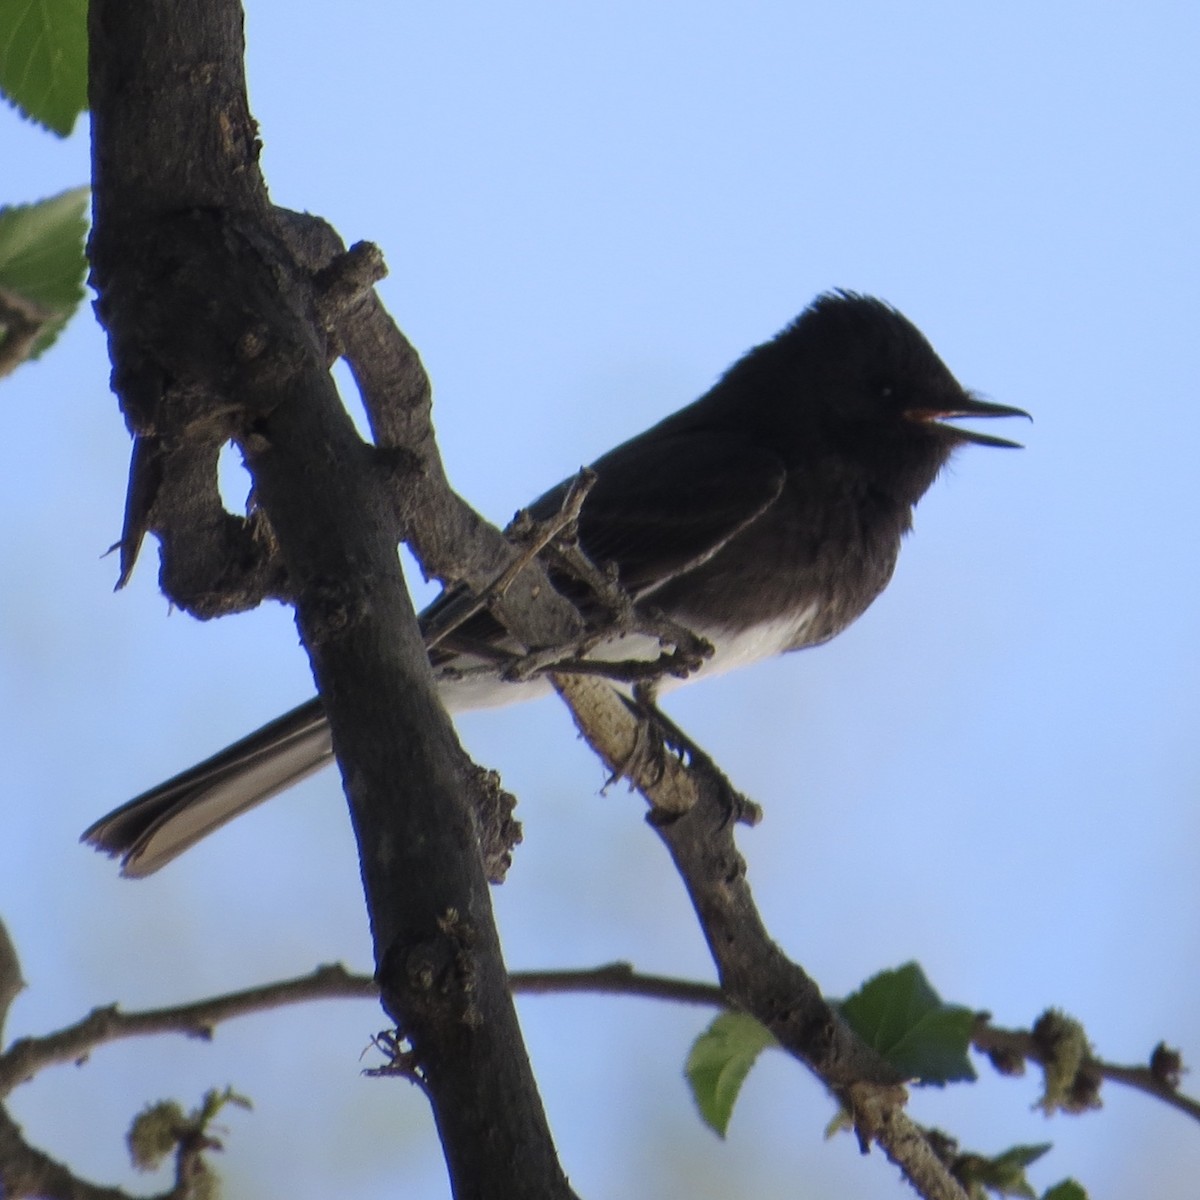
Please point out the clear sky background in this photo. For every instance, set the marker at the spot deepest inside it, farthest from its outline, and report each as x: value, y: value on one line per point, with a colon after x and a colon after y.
x: 589, y: 212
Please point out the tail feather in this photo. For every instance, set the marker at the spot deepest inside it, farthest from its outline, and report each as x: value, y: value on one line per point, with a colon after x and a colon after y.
x: 155, y: 827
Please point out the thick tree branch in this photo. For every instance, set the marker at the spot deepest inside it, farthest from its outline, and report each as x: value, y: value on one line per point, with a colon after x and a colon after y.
x: 451, y: 541
x: 693, y: 810
x: 215, y: 333
x: 28, y: 1171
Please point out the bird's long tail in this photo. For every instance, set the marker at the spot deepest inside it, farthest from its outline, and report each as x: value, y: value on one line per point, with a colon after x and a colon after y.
x: 155, y: 827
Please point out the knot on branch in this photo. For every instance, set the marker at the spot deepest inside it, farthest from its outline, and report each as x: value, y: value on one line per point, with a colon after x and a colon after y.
x: 1072, y: 1080
x: 211, y: 561
x: 431, y: 980
x: 202, y: 309
x: 330, y: 607
x: 499, y: 830
x: 345, y: 281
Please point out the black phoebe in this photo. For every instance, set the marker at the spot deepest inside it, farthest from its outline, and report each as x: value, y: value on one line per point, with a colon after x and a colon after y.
x: 765, y: 517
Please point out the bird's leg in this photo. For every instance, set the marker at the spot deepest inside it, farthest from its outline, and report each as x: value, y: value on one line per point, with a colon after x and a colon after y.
x: 668, y: 736
x: 657, y: 735
x: 646, y: 760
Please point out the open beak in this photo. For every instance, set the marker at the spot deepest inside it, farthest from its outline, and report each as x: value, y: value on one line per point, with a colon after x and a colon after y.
x: 970, y: 406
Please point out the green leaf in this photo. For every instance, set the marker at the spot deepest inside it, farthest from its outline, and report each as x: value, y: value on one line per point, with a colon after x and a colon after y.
x: 720, y: 1060
x: 43, y: 59
x: 1004, y: 1174
x: 212, y: 1104
x: 904, y: 1019
x: 42, y: 269
x: 1067, y: 1190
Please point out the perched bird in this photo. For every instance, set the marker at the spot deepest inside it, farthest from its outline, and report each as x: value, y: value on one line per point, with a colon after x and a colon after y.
x: 765, y: 517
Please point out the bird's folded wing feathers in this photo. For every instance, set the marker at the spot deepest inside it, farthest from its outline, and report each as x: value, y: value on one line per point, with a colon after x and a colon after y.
x: 644, y: 519
x: 640, y: 517
x: 656, y: 523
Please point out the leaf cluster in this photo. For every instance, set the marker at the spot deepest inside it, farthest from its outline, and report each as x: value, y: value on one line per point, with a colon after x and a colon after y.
x: 43, y: 74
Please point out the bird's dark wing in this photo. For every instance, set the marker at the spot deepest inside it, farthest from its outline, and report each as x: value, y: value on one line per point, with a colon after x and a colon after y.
x: 660, y: 506
x: 665, y: 504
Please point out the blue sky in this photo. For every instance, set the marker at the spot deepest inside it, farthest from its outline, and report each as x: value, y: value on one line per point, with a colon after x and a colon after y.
x: 588, y: 213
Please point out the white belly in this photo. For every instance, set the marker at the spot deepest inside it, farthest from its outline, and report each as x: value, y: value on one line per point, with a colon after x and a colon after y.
x: 478, y: 687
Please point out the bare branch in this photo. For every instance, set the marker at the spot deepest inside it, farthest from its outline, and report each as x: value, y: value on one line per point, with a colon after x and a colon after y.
x: 617, y: 979
x: 450, y: 540
x: 1009, y: 1049
x: 27, y: 1056
x: 876, y: 1109
x: 532, y: 540
x: 693, y: 810
x: 26, y: 1171
x: 11, y: 983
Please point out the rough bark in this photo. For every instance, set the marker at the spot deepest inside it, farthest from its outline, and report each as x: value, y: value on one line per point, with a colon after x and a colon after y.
x: 217, y: 333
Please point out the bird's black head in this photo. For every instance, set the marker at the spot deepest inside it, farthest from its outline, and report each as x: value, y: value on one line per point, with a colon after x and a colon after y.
x: 851, y: 376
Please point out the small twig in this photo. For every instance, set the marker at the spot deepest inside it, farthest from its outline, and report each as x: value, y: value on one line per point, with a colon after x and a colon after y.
x: 556, y: 534
x: 11, y: 983
x: 629, y: 616
x: 450, y: 540
x: 677, y: 663
x: 1144, y: 1079
x: 28, y: 1171
x: 877, y: 1109
x: 27, y: 1056
x: 535, y: 537
x: 617, y: 979
x: 689, y: 650
x: 346, y: 280
x: 1009, y: 1049
x: 603, y: 584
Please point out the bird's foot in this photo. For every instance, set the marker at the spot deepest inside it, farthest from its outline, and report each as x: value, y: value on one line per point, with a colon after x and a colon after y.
x: 658, y: 739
